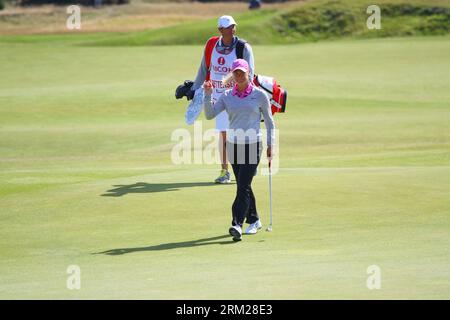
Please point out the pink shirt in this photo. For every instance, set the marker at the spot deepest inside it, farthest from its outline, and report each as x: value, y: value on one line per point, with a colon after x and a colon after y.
x: 244, y: 93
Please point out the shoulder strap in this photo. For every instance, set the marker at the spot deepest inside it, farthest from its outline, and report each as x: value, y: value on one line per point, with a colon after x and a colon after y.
x: 240, y: 45
x: 210, y: 44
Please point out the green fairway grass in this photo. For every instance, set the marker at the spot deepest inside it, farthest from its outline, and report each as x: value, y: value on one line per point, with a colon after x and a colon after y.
x: 86, y: 176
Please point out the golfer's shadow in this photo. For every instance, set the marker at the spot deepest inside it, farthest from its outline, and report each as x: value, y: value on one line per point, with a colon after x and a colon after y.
x: 143, y: 187
x: 171, y: 245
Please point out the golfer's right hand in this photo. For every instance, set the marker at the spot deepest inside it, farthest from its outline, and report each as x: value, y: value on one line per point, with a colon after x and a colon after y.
x: 207, y: 86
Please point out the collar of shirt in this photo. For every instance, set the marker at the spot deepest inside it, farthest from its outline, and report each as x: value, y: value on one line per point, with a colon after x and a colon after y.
x: 221, y: 45
x: 244, y: 93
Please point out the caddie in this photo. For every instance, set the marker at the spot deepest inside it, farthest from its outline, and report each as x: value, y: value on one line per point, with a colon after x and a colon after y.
x: 218, y: 57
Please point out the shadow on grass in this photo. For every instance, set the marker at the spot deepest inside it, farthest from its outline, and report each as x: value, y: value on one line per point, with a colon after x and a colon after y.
x: 143, y: 187
x: 172, y: 245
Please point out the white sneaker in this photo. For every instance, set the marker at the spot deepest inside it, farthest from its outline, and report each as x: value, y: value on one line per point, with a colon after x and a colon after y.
x: 236, y: 232
x: 254, y: 227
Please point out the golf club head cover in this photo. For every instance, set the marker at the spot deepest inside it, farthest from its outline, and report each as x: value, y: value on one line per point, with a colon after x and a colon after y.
x: 190, y: 94
x: 185, y: 90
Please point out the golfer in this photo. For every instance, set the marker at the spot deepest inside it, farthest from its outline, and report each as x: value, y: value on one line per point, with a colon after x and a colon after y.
x: 244, y: 105
x: 215, y: 65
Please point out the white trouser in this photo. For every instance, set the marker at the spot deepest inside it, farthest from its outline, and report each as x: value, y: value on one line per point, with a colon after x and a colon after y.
x: 222, y: 122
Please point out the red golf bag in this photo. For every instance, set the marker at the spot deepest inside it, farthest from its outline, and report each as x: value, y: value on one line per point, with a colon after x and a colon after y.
x: 277, y: 95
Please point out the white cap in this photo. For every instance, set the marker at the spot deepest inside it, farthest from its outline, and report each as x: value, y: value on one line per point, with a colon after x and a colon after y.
x: 225, y: 21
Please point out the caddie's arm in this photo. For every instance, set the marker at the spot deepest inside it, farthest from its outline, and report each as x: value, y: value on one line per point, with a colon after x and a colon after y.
x: 247, y: 54
x: 201, y: 75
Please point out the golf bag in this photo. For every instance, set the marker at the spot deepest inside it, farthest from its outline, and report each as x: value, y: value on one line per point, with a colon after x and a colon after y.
x: 277, y: 95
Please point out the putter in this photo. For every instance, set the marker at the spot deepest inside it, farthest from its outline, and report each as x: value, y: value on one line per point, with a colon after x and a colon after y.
x: 269, y: 228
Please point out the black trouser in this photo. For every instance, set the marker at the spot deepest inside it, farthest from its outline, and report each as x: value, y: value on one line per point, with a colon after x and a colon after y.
x: 244, y: 159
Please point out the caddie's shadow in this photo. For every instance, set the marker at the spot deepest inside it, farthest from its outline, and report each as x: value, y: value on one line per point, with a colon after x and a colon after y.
x: 171, y: 245
x: 143, y: 187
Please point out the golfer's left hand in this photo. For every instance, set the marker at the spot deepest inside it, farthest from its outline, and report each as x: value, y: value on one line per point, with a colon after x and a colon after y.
x: 269, y: 153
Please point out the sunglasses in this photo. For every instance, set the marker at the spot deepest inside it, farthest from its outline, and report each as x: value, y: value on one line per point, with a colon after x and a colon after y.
x: 230, y: 27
